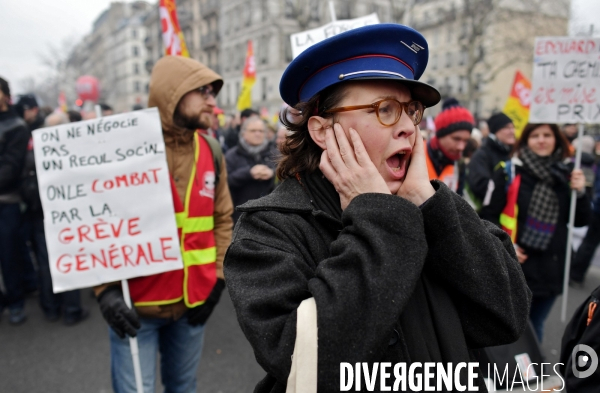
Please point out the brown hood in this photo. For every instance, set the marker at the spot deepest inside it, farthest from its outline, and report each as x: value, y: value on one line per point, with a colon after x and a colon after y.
x: 173, y: 77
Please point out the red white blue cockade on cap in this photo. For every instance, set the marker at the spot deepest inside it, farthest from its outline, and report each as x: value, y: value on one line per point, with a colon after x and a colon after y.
x: 383, y: 51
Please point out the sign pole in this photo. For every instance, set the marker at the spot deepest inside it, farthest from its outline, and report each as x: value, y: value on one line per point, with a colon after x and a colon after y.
x: 133, y: 343
x: 563, y: 315
x: 332, y: 11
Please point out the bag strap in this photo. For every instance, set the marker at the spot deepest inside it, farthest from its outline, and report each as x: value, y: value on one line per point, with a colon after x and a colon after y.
x: 303, y: 374
x: 217, y: 153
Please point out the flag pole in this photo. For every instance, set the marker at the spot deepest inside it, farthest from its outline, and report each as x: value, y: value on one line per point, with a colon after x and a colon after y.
x: 133, y: 343
x: 563, y: 314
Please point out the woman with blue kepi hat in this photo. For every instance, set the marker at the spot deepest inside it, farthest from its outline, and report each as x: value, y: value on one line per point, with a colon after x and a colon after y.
x: 357, y: 257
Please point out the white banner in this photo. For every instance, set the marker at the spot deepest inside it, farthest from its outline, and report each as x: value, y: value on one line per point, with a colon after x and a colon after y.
x: 106, y: 195
x: 566, y: 80
x: 304, y: 39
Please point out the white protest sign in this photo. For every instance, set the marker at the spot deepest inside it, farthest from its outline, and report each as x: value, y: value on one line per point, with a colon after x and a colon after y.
x: 304, y: 39
x: 566, y: 80
x: 106, y: 195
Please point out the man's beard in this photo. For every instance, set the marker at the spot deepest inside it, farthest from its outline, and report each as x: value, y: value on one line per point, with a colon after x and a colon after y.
x: 190, y: 122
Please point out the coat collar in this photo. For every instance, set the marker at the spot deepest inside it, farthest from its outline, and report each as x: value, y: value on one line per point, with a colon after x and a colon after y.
x: 288, y: 196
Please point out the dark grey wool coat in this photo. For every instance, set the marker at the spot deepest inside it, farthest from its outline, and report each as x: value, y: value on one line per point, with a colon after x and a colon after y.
x: 362, y: 272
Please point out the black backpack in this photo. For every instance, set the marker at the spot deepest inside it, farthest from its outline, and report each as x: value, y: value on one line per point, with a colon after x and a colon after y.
x: 583, y: 332
x: 29, y: 190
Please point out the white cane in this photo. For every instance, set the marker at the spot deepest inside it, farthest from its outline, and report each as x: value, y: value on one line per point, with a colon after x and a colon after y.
x: 133, y: 344
x: 563, y: 315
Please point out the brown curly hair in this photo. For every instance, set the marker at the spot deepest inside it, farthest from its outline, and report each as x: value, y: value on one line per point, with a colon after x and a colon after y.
x: 561, y: 141
x: 299, y: 153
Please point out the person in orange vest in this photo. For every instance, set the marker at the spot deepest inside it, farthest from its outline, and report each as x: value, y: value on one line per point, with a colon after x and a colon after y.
x: 453, y: 130
x: 172, y: 308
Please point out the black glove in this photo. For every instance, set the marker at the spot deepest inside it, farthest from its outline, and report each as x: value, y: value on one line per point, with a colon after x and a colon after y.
x: 199, y: 315
x: 122, y: 319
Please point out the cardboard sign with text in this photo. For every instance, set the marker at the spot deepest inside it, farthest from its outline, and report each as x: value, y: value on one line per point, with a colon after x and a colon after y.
x: 106, y: 195
x: 303, y: 40
x: 566, y: 80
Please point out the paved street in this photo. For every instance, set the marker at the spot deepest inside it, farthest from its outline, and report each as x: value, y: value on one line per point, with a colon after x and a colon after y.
x: 40, y: 356
x: 48, y: 357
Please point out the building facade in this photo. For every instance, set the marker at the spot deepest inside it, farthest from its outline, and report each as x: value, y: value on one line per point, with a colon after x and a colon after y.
x: 475, y: 46
x: 114, y: 53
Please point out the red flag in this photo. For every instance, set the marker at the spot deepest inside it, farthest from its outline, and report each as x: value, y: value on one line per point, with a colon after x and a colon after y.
x: 172, y: 35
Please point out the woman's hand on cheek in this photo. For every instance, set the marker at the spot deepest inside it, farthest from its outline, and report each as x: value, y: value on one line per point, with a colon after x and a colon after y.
x: 416, y: 186
x: 348, y: 168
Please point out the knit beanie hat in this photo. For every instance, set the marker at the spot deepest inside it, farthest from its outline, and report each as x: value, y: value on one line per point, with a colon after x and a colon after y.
x: 498, y: 121
x: 452, y: 118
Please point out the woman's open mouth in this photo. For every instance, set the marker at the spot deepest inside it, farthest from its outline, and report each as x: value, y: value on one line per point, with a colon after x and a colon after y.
x: 397, y: 163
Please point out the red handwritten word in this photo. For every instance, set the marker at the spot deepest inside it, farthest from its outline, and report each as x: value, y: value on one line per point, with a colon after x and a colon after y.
x: 125, y: 181
x: 544, y: 95
x: 115, y: 257
x: 98, y: 231
x: 562, y: 47
x: 579, y: 95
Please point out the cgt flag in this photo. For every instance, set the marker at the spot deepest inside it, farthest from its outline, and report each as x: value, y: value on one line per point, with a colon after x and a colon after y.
x: 245, y: 97
x: 517, y: 104
x: 172, y: 35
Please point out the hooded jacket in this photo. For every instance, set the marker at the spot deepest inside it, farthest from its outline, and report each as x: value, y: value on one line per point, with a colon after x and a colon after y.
x: 173, y: 77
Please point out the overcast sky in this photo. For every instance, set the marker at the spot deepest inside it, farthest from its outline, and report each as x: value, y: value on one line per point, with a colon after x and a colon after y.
x: 28, y: 27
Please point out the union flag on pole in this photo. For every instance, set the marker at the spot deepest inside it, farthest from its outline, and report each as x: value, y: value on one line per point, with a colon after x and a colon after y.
x: 517, y: 104
x: 245, y: 97
x: 172, y: 35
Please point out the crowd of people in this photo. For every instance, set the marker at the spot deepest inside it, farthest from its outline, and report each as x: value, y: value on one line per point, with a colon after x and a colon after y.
x: 315, y: 203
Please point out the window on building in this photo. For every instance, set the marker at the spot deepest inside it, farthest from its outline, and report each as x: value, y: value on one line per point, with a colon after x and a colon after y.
x: 136, y: 87
x: 478, y: 82
x: 225, y: 24
x: 449, y: 34
x: 289, y: 9
x: 264, y: 10
x: 461, y: 83
x: 264, y: 88
x: 434, y: 61
x: 463, y: 30
x: 189, y: 40
x: 477, y: 109
x: 228, y: 93
x: 136, y: 68
x: 288, y: 48
x: 147, y: 87
x: 134, y: 33
x: 343, y: 9
x: 462, y: 57
x: 447, y: 85
x: 227, y: 53
x: 241, y: 56
x: 135, y: 51
x: 235, y: 19
x: 264, y: 49
x: 248, y: 14
x: 237, y: 90
x: 448, y: 60
x: 315, y: 15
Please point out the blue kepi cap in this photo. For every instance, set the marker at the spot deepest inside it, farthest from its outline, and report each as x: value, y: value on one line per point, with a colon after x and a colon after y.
x: 382, y: 51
